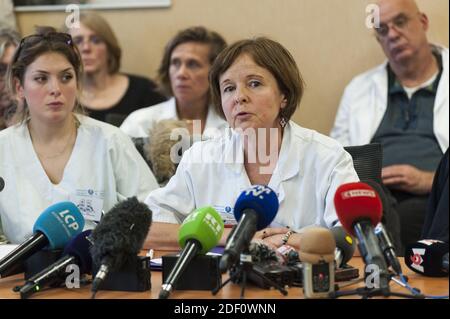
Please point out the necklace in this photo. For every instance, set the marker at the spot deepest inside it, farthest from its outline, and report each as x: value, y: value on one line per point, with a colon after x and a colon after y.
x: 66, y: 146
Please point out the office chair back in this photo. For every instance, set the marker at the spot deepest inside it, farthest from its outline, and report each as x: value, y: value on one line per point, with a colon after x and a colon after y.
x: 367, y: 160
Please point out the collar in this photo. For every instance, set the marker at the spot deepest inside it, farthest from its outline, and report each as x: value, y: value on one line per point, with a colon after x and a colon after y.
x: 288, y: 165
x: 394, y: 85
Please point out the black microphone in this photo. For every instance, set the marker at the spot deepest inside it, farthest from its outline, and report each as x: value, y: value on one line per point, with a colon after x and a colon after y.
x: 119, y: 237
x: 53, y: 229
x: 388, y: 248
x: 345, y: 246
x: 76, y: 252
x: 428, y: 257
x: 2, y: 184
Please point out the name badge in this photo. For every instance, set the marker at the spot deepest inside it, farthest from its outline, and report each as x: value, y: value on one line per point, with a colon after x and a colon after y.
x: 227, y: 214
x: 90, y: 203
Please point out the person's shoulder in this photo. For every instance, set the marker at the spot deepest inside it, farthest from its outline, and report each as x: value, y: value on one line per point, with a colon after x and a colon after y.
x: 100, y: 129
x: 365, y: 78
x: 207, y: 151
x: 314, y: 139
x: 151, y: 112
x: 15, y: 130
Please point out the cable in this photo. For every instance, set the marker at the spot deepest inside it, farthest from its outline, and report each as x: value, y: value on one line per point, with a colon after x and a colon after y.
x: 416, y: 291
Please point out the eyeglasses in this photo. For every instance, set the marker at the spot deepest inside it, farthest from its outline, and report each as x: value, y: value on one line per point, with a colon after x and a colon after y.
x: 93, y: 39
x: 50, y: 37
x: 399, y: 22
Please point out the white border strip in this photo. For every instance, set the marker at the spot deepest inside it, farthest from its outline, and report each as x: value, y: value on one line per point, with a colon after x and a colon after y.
x: 123, y: 5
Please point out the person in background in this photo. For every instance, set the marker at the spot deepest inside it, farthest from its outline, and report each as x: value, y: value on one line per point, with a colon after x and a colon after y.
x: 9, y: 40
x: 183, y: 74
x: 436, y: 218
x: 108, y: 95
x: 55, y: 153
x: 256, y: 86
x: 403, y: 105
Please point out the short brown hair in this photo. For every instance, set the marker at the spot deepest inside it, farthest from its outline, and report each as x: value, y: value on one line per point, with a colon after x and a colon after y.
x: 46, y: 39
x: 268, y: 54
x: 102, y: 28
x: 193, y: 34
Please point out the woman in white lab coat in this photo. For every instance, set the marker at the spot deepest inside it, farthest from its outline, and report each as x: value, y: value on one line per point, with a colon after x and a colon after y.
x: 183, y: 74
x: 56, y: 154
x: 257, y: 87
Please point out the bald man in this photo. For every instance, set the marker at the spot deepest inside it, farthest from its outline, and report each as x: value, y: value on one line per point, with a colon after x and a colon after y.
x: 402, y: 104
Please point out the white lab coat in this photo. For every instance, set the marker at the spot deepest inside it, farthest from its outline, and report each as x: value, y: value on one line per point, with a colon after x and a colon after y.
x: 104, y: 167
x: 364, y: 103
x: 139, y: 122
x: 310, y: 168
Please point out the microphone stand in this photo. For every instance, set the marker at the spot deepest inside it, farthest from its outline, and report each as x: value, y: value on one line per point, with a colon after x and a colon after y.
x: 243, y: 270
x: 366, y: 293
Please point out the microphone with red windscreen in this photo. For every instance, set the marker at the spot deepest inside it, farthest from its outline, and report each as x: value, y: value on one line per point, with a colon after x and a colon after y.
x: 359, y: 210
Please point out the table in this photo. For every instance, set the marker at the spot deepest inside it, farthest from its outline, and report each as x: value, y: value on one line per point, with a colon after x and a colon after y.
x: 428, y: 286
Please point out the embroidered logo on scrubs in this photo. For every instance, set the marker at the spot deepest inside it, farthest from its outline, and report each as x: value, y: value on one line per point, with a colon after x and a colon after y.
x: 90, y: 203
x: 85, y: 206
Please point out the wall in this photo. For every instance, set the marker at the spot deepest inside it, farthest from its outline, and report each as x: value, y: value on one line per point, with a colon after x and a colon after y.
x: 328, y: 38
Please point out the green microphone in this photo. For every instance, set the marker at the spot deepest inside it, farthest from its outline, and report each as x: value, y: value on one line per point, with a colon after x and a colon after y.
x: 200, y: 232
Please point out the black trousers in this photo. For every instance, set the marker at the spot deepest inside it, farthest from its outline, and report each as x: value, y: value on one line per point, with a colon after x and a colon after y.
x: 411, y: 210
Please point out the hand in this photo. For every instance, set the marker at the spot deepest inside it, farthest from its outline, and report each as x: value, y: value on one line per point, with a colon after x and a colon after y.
x: 407, y: 178
x: 272, y: 237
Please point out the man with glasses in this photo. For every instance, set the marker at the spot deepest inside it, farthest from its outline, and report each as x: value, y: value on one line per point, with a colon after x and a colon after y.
x: 402, y: 104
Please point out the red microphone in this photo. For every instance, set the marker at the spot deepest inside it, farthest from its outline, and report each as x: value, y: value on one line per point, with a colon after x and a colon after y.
x: 357, y: 201
x: 359, y: 210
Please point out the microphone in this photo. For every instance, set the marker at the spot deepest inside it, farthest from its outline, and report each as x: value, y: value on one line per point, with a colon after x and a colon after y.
x: 386, y: 244
x: 76, y: 252
x: 198, y: 233
x: 428, y: 257
x: 53, y: 228
x: 359, y: 210
x: 388, y: 248
x: 2, y: 184
x: 254, y: 209
x: 317, y: 255
x: 345, y: 246
x: 119, y: 237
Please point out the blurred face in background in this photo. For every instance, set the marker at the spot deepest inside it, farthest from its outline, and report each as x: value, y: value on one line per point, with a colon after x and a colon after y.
x: 5, y: 60
x: 402, y: 32
x: 188, y: 71
x: 93, y: 50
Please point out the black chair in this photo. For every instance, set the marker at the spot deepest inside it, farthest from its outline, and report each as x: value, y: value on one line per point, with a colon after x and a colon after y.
x: 368, y: 162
